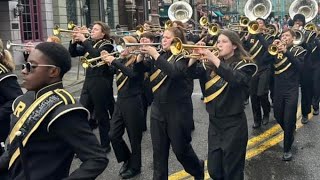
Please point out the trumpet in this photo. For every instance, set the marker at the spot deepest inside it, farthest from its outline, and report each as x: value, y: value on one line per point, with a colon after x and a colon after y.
x: 10, y: 44
x: 85, y: 63
x: 177, y: 47
x: 311, y: 27
x: 243, y: 23
x: 273, y: 48
x: 57, y: 30
x: 204, y: 21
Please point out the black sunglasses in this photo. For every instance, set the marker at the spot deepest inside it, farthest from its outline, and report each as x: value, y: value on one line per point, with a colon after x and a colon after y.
x: 29, y: 66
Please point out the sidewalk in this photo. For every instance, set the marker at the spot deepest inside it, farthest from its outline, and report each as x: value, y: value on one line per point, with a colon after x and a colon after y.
x: 72, y: 80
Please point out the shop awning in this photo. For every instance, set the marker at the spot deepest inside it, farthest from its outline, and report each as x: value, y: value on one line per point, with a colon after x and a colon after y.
x: 218, y: 13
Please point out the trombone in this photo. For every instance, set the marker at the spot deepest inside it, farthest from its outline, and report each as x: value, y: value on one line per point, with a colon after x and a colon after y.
x: 57, y: 30
x: 85, y: 63
x: 10, y: 44
x: 177, y: 47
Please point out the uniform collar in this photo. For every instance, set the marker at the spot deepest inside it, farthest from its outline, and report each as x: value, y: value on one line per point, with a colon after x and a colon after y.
x: 57, y: 85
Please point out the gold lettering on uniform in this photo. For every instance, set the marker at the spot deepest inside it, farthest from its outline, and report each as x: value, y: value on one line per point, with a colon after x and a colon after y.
x: 280, y: 56
x: 251, y: 41
x: 20, y: 107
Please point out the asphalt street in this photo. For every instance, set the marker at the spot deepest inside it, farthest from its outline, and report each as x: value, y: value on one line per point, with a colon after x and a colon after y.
x: 264, y: 151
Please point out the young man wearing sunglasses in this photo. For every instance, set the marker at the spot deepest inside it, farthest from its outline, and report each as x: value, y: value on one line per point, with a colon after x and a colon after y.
x: 48, y: 126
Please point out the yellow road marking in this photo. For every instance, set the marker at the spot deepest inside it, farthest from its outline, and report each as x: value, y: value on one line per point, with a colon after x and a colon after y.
x: 251, y: 152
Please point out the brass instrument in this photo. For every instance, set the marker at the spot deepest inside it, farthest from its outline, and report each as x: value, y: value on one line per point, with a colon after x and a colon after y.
x: 10, y: 44
x: 177, y: 47
x: 308, y: 8
x: 273, y: 48
x: 139, y: 30
x: 300, y: 37
x: 180, y: 11
x: 253, y: 27
x: 243, y: 23
x: 311, y: 27
x: 71, y: 25
x: 257, y: 9
x: 57, y: 30
x: 214, y: 29
x: 168, y: 24
x: 85, y: 63
x: 271, y: 30
x: 204, y: 21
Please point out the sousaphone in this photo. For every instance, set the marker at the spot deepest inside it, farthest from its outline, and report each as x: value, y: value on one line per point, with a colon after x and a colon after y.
x: 257, y: 9
x: 180, y: 11
x: 308, y: 8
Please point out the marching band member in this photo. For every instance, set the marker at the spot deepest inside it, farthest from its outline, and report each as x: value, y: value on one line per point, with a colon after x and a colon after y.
x: 48, y: 126
x: 288, y: 64
x: 171, y: 110
x: 147, y: 96
x: 259, y: 88
x: 307, y: 73
x: 227, y: 84
x: 128, y: 113
x: 9, y: 90
x: 97, y: 92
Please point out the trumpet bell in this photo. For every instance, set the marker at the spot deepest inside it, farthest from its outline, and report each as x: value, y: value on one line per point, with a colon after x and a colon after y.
x: 308, y: 8
x: 168, y: 24
x: 180, y: 11
x: 8, y: 46
x: 310, y: 27
x: 244, y: 21
x: 273, y: 50
x: 71, y: 25
x: 204, y: 21
x: 253, y: 27
x: 300, y: 37
x: 176, y: 46
x: 213, y: 29
x: 139, y: 30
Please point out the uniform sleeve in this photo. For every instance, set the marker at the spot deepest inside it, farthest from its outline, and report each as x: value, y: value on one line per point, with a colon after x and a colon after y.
x: 75, y: 50
x: 173, y: 70
x: 235, y: 77
x: 130, y: 72
x: 74, y: 129
x: 95, y: 52
x: 296, y: 60
x: 9, y: 91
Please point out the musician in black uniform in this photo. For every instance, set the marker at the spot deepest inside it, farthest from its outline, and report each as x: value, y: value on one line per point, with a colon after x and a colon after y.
x: 288, y: 64
x: 147, y: 96
x: 9, y: 90
x: 259, y: 88
x: 128, y: 113
x: 171, y: 110
x: 97, y: 92
x: 227, y: 75
x: 307, y: 73
x: 48, y: 126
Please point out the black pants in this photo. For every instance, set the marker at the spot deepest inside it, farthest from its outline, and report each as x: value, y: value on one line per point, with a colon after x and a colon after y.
x: 306, y: 93
x: 97, y: 97
x: 128, y: 114
x: 316, y: 88
x: 171, y: 123
x: 259, y: 89
x: 285, y: 110
x: 227, y: 142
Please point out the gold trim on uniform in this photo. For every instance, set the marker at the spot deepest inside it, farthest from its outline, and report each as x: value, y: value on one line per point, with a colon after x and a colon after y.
x: 215, y: 94
x: 283, y: 69
x: 212, y: 81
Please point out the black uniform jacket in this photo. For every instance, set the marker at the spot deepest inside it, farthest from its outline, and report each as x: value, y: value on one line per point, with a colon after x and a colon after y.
x: 135, y: 73
x: 9, y: 91
x: 80, y: 49
x: 231, y: 100
x: 51, y: 148
x: 178, y: 86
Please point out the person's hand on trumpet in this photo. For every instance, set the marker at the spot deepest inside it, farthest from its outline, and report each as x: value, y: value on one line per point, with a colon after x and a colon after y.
x: 282, y: 47
x: 151, y: 50
x: 106, y: 57
x: 208, y: 55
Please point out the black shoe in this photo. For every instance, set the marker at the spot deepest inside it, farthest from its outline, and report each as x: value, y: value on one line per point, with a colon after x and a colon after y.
x: 106, y: 149
x: 265, y: 120
x: 246, y: 102
x: 130, y: 173
x: 256, y: 125
x: 304, y: 120
x: 316, y: 112
x: 287, y: 156
x: 124, y: 168
x: 200, y: 177
x: 202, y: 98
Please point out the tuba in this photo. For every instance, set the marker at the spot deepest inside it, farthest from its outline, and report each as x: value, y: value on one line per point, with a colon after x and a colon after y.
x: 308, y: 8
x: 180, y: 11
x: 300, y: 37
x: 257, y: 9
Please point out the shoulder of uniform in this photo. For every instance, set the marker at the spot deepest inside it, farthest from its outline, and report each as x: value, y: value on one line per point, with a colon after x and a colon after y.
x: 298, y: 50
x: 65, y: 109
x: 65, y: 96
x: 27, y: 95
x: 7, y: 75
x: 248, y: 67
